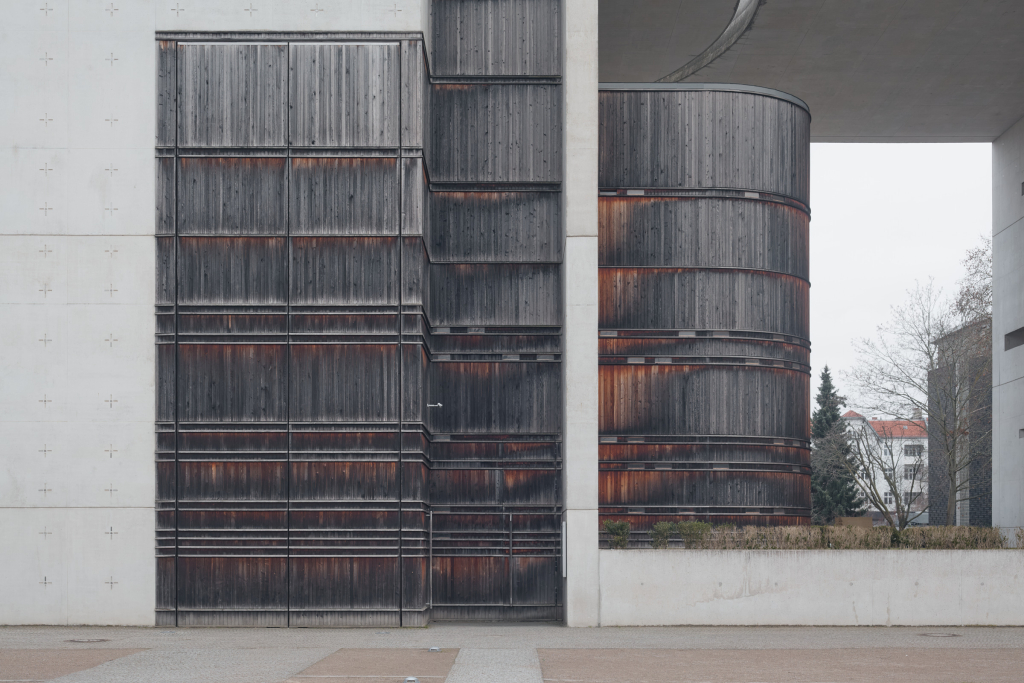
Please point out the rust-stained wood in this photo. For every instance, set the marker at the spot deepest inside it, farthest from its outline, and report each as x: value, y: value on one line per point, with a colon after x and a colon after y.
x: 305, y: 312
x: 703, y: 308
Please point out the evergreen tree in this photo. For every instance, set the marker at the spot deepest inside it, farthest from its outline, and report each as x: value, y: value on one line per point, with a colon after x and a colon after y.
x: 834, y: 492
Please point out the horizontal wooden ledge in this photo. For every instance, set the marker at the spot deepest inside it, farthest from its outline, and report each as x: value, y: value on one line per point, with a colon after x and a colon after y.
x: 749, y: 335
x: 748, y: 194
x: 367, y: 37
x: 677, y: 269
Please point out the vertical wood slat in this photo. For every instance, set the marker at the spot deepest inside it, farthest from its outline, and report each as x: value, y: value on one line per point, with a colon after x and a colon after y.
x: 231, y: 196
x: 345, y: 95
x: 344, y: 196
x: 166, y: 93
x: 232, y: 95
x: 497, y: 37
x: 491, y: 133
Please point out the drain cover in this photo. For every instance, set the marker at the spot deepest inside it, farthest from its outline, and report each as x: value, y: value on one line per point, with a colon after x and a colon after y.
x: 941, y: 635
x: 383, y: 633
x: 88, y: 640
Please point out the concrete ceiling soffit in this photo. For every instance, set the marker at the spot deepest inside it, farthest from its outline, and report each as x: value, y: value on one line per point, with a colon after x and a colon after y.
x: 742, y: 19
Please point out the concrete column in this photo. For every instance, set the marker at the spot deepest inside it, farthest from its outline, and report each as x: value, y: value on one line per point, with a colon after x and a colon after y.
x: 580, y: 354
x: 1007, y: 318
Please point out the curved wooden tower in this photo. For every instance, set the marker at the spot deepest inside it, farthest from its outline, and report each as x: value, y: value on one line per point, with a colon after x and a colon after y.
x: 704, y: 350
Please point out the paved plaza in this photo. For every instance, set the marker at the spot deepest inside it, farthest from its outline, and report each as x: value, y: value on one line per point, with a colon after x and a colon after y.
x: 471, y: 653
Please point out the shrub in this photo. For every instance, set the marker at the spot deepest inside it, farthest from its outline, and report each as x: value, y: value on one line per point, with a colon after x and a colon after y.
x: 660, y: 534
x: 619, y: 532
x: 693, y: 534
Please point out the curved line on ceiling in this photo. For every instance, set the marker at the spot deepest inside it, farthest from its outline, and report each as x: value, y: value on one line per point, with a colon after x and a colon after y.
x: 741, y: 20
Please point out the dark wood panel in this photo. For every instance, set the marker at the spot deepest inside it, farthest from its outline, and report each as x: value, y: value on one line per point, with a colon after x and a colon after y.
x: 344, y: 583
x: 501, y: 398
x: 344, y: 270
x: 495, y: 226
x: 535, y: 580
x: 694, y: 299
x: 708, y: 233
x: 346, y: 196
x: 166, y: 284
x: 232, y: 270
x: 165, y: 193
x: 703, y: 139
x: 703, y: 400
x: 231, y: 196
x: 345, y: 95
x: 232, y: 481
x: 700, y: 456
x: 166, y: 381
x: 495, y: 294
x: 496, y: 37
x: 415, y: 83
x: 351, y: 382
x: 166, y: 122
x: 232, y: 583
x: 237, y: 383
x: 496, y: 133
x: 470, y: 580
x: 232, y: 95
x: 703, y: 349
x: 344, y: 481
x: 710, y: 488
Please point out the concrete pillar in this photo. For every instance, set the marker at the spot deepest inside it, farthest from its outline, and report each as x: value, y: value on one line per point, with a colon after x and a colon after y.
x: 580, y: 272
x: 1007, y: 330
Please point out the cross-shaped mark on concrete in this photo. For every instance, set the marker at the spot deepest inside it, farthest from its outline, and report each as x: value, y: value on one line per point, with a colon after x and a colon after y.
x: 44, y: 450
x: 111, y: 120
x: 110, y: 450
x: 110, y: 251
x: 45, y: 290
x: 45, y: 490
x: 44, y: 583
x: 110, y: 401
x: 46, y: 8
x: 111, y: 9
x: 110, y: 169
x: 46, y: 209
x: 46, y: 169
x: 110, y: 209
x: 250, y: 9
x: 44, y: 251
x: 111, y: 533
x: 46, y: 59
x: 46, y: 340
x: 111, y: 490
x: 110, y: 340
x: 110, y: 290
x: 395, y: 10
x: 317, y: 9
x: 44, y: 533
x: 178, y: 9
x: 46, y: 119
x: 45, y: 400
x: 111, y: 583
x: 111, y: 59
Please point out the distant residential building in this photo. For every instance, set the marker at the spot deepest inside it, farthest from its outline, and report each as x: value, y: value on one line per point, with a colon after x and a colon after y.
x: 905, y: 444
x: 966, y: 375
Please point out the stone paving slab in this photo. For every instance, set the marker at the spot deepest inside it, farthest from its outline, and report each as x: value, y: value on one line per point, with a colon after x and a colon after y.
x: 379, y: 665
x: 47, y: 664
x: 866, y: 665
x: 509, y: 652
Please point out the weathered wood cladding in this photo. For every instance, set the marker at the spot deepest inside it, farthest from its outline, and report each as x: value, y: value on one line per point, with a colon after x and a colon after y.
x: 344, y: 95
x: 232, y: 95
x: 495, y: 133
x: 496, y: 37
x: 703, y: 308
x: 701, y: 139
x: 703, y: 233
x: 305, y: 323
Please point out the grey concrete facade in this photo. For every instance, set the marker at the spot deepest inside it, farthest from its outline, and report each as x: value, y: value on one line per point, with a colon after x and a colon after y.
x: 1007, y: 317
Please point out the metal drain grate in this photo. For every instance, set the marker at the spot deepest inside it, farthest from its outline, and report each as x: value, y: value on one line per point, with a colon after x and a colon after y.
x: 940, y: 635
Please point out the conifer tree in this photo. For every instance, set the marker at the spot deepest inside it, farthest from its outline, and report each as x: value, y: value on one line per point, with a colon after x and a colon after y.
x: 834, y: 492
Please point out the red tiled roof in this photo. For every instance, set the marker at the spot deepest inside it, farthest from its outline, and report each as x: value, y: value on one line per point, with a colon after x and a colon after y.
x: 850, y: 413
x: 899, y: 429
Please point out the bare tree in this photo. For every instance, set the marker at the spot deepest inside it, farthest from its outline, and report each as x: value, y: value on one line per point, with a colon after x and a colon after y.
x: 931, y: 364
x: 892, y: 483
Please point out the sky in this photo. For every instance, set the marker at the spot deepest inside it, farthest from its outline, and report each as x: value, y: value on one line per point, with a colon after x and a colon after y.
x: 883, y: 216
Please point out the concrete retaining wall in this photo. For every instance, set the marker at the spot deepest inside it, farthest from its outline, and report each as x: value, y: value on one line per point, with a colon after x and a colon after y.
x: 812, y: 587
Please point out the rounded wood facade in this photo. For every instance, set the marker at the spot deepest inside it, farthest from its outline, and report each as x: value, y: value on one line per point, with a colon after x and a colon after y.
x: 704, y: 302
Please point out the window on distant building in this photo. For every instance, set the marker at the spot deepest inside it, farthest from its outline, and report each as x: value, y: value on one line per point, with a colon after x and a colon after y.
x: 911, y: 472
x: 913, y: 450
x: 909, y: 497
x: 887, y: 497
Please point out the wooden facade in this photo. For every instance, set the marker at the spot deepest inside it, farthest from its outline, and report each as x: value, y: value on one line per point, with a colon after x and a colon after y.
x: 703, y: 313
x: 359, y: 323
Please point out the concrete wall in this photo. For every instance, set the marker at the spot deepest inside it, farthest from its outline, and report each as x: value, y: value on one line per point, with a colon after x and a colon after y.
x: 1008, y: 315
x: 77, y: 273
x: 812, y: 587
